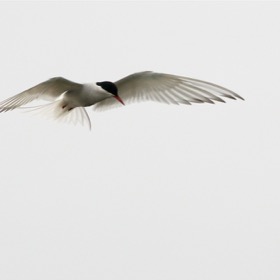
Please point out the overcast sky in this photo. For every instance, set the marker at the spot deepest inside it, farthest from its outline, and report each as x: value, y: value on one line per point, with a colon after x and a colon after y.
x: 154, y: 191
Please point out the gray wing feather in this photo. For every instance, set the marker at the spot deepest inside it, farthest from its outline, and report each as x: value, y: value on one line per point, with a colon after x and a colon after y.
x: 48, y: 90
x: 166, y: 88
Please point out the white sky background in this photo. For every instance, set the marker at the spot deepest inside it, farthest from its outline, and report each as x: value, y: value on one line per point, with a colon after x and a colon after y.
x: 153, y: 191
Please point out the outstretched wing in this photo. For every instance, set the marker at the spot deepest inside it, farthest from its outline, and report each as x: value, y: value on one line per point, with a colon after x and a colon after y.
x: 48, y: 90
x: 165, y: 88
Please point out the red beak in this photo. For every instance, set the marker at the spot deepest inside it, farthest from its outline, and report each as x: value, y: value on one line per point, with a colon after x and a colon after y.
x: 119, y: 99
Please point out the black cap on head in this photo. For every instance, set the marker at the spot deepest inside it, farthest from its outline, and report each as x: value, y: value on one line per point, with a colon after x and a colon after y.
x: 109, y: 86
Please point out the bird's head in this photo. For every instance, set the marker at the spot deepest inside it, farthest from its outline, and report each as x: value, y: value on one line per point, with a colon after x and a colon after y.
x: 110, y: 88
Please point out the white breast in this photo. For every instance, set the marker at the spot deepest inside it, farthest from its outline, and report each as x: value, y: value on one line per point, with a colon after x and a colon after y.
x: 89, y: 95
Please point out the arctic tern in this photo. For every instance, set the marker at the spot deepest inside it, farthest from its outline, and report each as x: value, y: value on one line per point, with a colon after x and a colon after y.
x: 67, y: 99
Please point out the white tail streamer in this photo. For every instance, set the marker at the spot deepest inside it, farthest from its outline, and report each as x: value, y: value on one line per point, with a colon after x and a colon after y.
x: 55, y: 111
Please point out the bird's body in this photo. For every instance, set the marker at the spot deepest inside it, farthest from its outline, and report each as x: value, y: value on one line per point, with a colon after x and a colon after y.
x: 87, y: 95
x: 68, y: 99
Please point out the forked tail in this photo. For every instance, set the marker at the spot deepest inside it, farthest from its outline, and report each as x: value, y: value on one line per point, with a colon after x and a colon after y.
x: 56, y: 111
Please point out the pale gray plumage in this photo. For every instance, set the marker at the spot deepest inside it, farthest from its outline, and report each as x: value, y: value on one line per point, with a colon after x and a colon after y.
x: 49, y: 90
x: 68, y: 98
x: 166, y: 88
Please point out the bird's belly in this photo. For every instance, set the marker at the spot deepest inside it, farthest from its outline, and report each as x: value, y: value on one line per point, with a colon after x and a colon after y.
x: 83, y: 99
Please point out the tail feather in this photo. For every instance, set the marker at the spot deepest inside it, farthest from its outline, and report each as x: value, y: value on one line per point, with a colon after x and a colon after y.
x: 54, y: 111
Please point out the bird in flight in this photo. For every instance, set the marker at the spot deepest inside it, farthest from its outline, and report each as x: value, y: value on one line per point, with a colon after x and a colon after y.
x: 67, y: 100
